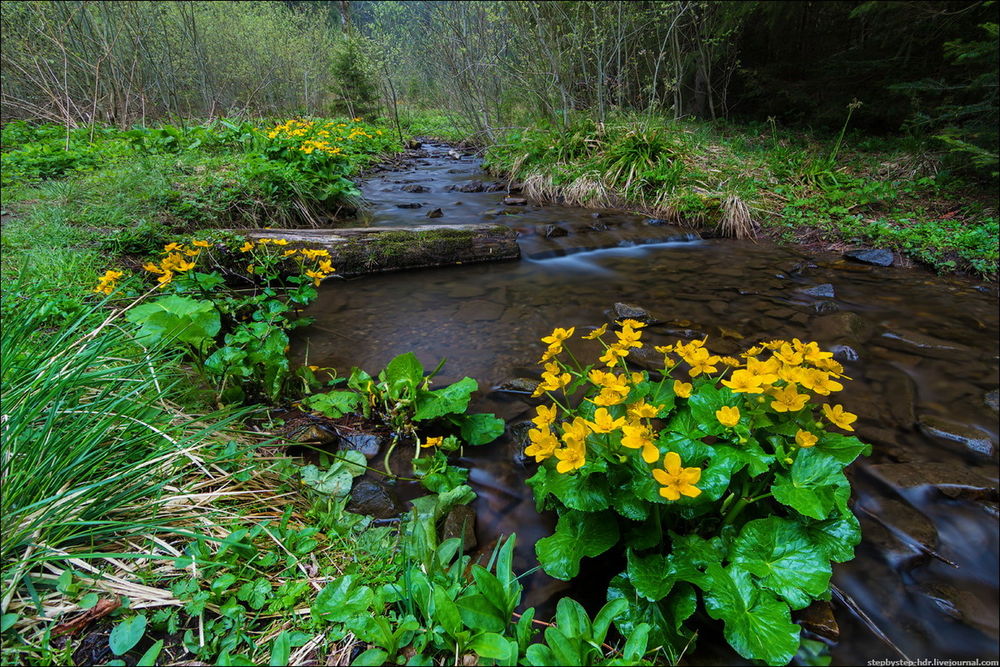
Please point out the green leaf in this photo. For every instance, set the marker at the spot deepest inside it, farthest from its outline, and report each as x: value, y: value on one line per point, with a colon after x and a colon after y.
x: 572, y: 619
x: 453, y: 399
x: 665, y: 619
x: 837, y: 536
x: 340, y: 600
x: 844, y: 448
x: 127, y: 634
x: 404, y: 370
x: 479, y: 614
x: 608, y: 613
x: 481, y: 428
x: 587, y: 492
x: 281, y: 649
x: 446, y: 612
x: 353, y: 461
x: 255, y: 592
x: 7, y: 621
x: 88, y: 601
x: 148, y: 658
x: 541, y: 656
x: 650, y: 575
x: 565, y: 650
x: 336, y: 481
x: 757, y: 625
x: 334, y: 404
x: 176, y: 318
x: 704, y: 405
x: 811, y: 488
x: 493, y: 646
x: 691, y: 555
x: 578, y: 534
x: 783, y: 558
x: 489, y: 586
x: 371, y: 658
x: 635, y: 646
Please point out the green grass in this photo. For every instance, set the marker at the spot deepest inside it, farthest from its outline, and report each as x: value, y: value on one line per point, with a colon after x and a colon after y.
x: 745, y: 180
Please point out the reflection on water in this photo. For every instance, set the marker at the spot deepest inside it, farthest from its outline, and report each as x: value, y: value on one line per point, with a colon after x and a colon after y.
x: 923, y: 352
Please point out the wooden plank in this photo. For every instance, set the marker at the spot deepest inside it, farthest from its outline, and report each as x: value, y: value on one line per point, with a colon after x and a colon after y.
x: 359, y: 250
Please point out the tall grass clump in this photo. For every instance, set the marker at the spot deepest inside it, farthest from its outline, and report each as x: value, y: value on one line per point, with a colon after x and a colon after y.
x: 89, y: 443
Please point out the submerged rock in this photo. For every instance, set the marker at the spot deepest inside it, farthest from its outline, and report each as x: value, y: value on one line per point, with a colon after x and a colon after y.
x: 553, y: 231
x: 969, y: 436
x: 472, y: 186
x: 521, y: 385
x: 842, y: 327
x: 626, y: 311
x: 826, y: 307
x: 461, y: 522
x: 818, y: 618
x: 515, y: 201
x: 436, y: 213
x: 415, y: 188
x: 409, y: 205
x: 844, y: 353
x: 873, y: 256
x: 374, y: 500
x: 825, y: 291
x: 479, y: 310
x: 367, y: 443
x: 954, y: 481
x: 992, y: 400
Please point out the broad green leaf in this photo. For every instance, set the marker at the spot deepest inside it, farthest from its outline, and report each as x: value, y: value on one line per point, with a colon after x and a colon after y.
x: 650, y: 575
x: 353, y: 461
x: 493, y: 646
x: 255, y: 592
x: 704, y: 404
x: 664, y: 619
x: 608, y: 613
x: 88, y: 601
x: 578, y: 534
x: 176, y: 318
x: 481, y: 428
x: 336, y: 481
x: 635, y: 646
x: 783, y: 558
x: 541, y: 655
x: 7, y: 621
x: 584, y: 492
x: 691, y: 555
x: 127, y: 634
x: 281, y: 648
x: 757, y: 625
x: 148, y: 659
x: 837, y: 536
x: 566, y: 650
x: 371, y: 658
x: 811, y: 488
x: 453, y: 399
x: 480, y: 615
x: 334, y: 404
x: 340, y: 600
x: 489, y: 586
x: 446, y: 612
x: 402, y: 375
x: 844, y: 448
x: 572, y: 619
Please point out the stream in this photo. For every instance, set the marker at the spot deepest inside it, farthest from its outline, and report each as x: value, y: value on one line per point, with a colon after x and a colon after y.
x: 922, y: 351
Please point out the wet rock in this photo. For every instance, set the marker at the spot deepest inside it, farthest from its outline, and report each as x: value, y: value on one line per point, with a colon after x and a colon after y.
x: 515, y: 187
x: 521, y: 385
x: 968, y: 436
x: 596, y: 214
x: 520, y: 439
x: 372, y: 499
x: 454, y: 155
x: 415, y: 188
x: 495, y: 186
x: 515, y: 201
x: 908, y: 522
x: 992, y: 400
x: 472, y: 186
x: 479, y: 310
x: 971, y: 606
x: 825, y: 291
x: 844, y: 353
x: 954, y: 481
x: 901, y: 394
x: 409, y: 205
x: 646, y: 357
x: 801, y: 268
x: 625, y: 311
x: 553, y: 231
x: 656, y: 222
x: 825, y: 307
x: 843, y: 327
x: 367, y: 443
x: 597, y: 226
x: 456, y: 171
x: 873, y: 256
x: 436, y: 213
x: 818, y: 618
x: 461, y: 522
x: 466, y: 291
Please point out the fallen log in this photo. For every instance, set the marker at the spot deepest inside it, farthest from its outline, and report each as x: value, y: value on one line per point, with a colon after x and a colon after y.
x: 361, y: 250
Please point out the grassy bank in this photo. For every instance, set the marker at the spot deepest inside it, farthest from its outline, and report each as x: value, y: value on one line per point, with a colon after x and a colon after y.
x: 842, y: 190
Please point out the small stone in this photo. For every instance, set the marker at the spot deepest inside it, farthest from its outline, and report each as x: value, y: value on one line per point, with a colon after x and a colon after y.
x: 409, y: 205
x: 454, y: 155
x: 315, y: 434
x: 596, y: 214
x: 373, y: 500
x: 461, y: 522
x: 818, y: 618
x: 415, y: 188
x: 801, y: 268
x: 552, y: 231
x: 519, y: 385
x: 842, y: 327
x: 992, y: 400
x: 968, y: 436
x: 825, y: 291
x: 873, y: 256
x: 515, y: 201
x: 954, y: 481
x: 624, y: 311
x: 844, y: 353
x: 826, y: 307
x: 436, y: 213
x: 413, y: 144
x: 656, y: 222
x: 597, y: 226
x: 366, y: 443
x: 472, y: 186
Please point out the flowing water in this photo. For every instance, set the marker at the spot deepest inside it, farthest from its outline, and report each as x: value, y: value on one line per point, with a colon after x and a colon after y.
x: 922, y: 349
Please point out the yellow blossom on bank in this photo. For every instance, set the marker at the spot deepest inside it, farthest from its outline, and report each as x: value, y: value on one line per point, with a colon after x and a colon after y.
x: 805, y: 439
x: 683, y: 389
x: 676, y: 480
x: 596, y: 332
x: 247, y: 247
x: 317, y: 276
x: 432, y: 442
x: 744, y: 382
x: 106, y: 284
x: 200, y: 244
x: 642, y: 410
x: 545, y: 415
x: 575, y: 433
x: 604, y: 422
x: 728, y: 416
x: 839, y: 417
x: 701, y: 361
x: 637, y: 435
x: 543, y: 444
x: 326, y: 266
x: 787, y: 399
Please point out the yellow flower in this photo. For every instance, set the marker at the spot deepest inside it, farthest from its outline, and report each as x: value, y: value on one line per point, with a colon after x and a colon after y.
x: 172, y: 247
x: 191, y: 252
x: 744, y: 382
x: 638, y: 436
x: 264, y: 241
x: 642, y: 410
x: 558, y: 335
x: 152, y: 268
x: 317, y: 276
x: 289, y: 253
x: 106, y: 284
x: 326, y: 266
x: 612, y: 355
x: 767, y: 371
x: 731, y: 361
x: 575, y: 433
x: 200, y: 244
x: 787, y: 399
x: 822, y: 383
x: 838, y: 417
x: 250, y: 268
x: 545, y: 415
x: 432, y: 442
x: 805, y: 438
x: 635, y: 324
x: 628, y: 337
x: 165, y: 279
x: 604, y: 422
x: 552, y: 382
x: 728, y: 416
x: 571, y: 458
x: 279, y: 242
x: 596, y: 332
x: 246, y: 247
x: 677, y: 481
x: 788, y: 355
x: 176, y: 262
x: 701, y: 362
x: 683, y: 389
x: 543, y: 444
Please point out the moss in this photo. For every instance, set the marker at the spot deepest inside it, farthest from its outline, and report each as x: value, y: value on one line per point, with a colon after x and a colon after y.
x: 401, y: 249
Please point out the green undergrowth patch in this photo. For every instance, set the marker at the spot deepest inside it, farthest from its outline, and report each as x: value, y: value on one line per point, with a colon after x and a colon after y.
x: 841, y: 190
x: 434, y: 124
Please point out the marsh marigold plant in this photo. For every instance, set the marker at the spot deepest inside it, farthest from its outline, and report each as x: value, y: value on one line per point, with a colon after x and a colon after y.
x: 720, y: 477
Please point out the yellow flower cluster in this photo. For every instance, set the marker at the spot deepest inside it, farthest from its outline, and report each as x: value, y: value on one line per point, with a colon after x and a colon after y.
x: 781, y: 373
x: 106, y: 284
x: 176, y: 261
x: 318, y: 136
x: 324, y: 265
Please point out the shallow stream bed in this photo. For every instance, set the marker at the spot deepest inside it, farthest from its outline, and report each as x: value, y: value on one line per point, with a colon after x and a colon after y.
x: 922, y: 351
